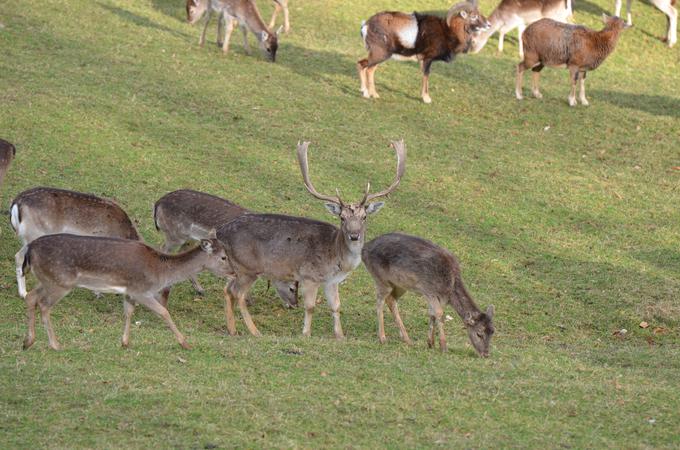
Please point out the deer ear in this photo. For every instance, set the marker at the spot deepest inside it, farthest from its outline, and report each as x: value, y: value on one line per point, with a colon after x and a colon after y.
x: 333, y: 208
x: 468, y: 320
x: 206, y: 246
x: 489, y: 312
x: 264, y: 36
x: 374, y: 207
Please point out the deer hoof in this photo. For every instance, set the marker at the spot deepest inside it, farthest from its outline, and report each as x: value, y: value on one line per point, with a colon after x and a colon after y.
x: 185, y: 345
x: 382, y: 339
x: 537, y: 94
x: 28, y: 343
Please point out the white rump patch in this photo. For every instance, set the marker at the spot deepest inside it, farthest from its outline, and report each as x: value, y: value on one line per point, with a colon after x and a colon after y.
x: 14, y: 217
x: 408, y: 34
x: 364, y: 30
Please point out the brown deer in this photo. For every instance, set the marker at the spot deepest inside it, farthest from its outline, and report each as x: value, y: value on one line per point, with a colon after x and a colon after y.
x: 511, y: 14
x: 7, y: 153
x: 45, y: 210
x: 308, y: 251
x: 185, y: 215
x: 62, y: 262
x: 399, y: 263
x: 243, y: 12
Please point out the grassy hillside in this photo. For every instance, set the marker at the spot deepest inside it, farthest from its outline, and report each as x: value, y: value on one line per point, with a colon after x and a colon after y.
x: 566, y: 219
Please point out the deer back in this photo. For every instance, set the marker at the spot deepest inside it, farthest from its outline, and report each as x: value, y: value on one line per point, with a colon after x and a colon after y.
x: 281, y: 247
x: 44, y: 210
x: 185, y: 213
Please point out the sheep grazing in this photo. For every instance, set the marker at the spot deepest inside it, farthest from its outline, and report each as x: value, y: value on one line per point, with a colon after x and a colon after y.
x: 420, y: 37
x: 556, y: 44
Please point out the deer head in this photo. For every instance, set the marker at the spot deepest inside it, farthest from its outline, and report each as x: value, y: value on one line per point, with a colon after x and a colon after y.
x: 195, y: 10
x: 480, y: 329
x: 353, y: 215
x: 269, y: 43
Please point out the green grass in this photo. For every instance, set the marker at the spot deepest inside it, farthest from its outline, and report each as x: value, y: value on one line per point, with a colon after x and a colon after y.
x: 566, y: 219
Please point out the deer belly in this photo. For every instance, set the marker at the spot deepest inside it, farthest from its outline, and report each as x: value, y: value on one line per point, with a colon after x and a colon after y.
x: 101, y: 286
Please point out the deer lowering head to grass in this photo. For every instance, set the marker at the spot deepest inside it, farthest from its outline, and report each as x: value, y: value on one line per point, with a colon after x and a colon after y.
x: 7, y: 153
x: 44, y: 210
x: 511, y: 14
x: 399, y: 263
x: 311, y: 252
x: 62, y: 262
x: 187, y: 215
x: 230, y: 12
x: 420, y: 37
x: 556, y: 44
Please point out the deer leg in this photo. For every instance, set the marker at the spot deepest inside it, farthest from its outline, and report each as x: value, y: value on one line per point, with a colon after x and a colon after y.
x: 238, y: 289
x: 309, y: 291
x: 220, y: 30
x: 501, y: 36
x: 229, y: 310
x: 521, y: 67
x: 439, y: 316
x: 667, y: 8
x: 277, y: 8
x: 151, y: 303
x: 425, y: 90
x: 333, y: 299
x: 573, y: 75
x: 582, y: 94
x: 201, y: 40
x: 46, y: 302
x: 128, y: 310
x: 229, y: 28
x: 394, y: 308
x: 245, y: 314
x: 383, y: 295
x: 31, y: 303
x: 430, y: 333
x: 520, y: 31
x: 286, y: 17
x: 246, y: 46
x: 629, y: 15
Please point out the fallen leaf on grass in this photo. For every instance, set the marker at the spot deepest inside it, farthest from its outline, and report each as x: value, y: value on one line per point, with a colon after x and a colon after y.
x: 675, y: 167
x: 660, y: 330
x: 181, y: 360
x: 644, y: 325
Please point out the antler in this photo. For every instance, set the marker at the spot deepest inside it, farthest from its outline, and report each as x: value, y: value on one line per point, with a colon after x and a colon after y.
x: 400, y: 149
x: 458, y: 7
x: 304, y: 168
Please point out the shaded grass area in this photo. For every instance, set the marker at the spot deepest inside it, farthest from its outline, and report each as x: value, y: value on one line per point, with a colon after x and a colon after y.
x: 565, y: 219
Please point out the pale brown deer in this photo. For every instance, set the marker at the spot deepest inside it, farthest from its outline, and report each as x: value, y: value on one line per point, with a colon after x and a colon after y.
x: 186, y: 215
x: 308, y: 251
x: 665, y: 6
x: 399, y: 263
x: 7, y: 153
x: 230, y: 12
x: 62, y: 262
x: 45, y: 210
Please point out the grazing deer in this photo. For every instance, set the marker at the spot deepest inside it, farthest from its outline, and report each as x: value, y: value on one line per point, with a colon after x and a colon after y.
x: 243, y: 12
x: 7, y: 153
x: 44, y: 210
x: 425, y: 38
x: 556, y: 44
x: 186, y: 215
x: 311, y: 252
x: 399, y: 263
x: 665, y: 6
x: 62, y: 262
x: 511, y: 14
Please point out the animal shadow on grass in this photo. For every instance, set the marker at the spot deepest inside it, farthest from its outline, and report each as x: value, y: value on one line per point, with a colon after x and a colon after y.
x: 591, y: 8
x: 141, y: 21
x: 659, y: 105
x: 173, y: 8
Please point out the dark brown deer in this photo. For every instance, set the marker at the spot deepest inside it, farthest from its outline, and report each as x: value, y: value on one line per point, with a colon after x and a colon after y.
x: 7, y: 153
x: 185, y: 215
x: 311, y: 252
x: 425, y: 38
x: 399, y: 263
x: 45, y: 210
x: 62, y: 262
x: 556, y: 44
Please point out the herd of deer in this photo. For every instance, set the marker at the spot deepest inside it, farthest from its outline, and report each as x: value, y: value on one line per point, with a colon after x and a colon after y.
x: 75, y: 240
x: 541, y: 26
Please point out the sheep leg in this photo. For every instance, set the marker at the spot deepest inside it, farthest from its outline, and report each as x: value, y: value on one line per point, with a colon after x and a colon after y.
x: 534, y: 81
x: 370, y: 76
x: 361, y: 68
x: 573, y: 75
x: 582, y: 94
x: 425, y: 90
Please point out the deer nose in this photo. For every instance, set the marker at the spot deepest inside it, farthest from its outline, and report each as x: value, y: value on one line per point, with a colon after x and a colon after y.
x: 354, y: 237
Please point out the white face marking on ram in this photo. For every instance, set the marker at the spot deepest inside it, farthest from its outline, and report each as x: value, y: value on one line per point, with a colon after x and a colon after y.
x: 407, y: 35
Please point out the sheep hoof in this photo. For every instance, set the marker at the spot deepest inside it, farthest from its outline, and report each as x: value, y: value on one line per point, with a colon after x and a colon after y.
x: 572, y: 101
x: 537, y: 94
x: 518, y: 95
x: 584, y: 102
x: 365, y: 94
x: 427, y: 99
x: 375, y: 95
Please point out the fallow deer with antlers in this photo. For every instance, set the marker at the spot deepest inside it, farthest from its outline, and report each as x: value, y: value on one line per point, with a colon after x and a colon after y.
x: 308, y: 251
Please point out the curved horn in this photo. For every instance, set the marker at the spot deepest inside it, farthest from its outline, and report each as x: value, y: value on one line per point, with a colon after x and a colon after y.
x: 400, y: 149
x: 457, y: 8
x: 304, y: 168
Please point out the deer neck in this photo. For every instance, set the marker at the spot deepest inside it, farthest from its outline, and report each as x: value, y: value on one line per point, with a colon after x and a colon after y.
x: 176, y: 268
x: 461, y: 301
x: 349, y: 254
x: 254, y: 21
